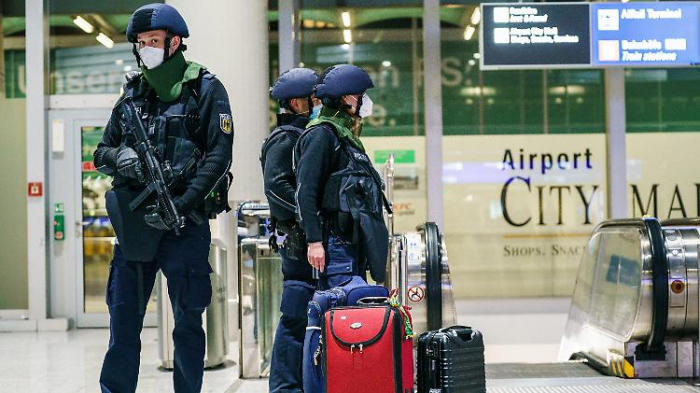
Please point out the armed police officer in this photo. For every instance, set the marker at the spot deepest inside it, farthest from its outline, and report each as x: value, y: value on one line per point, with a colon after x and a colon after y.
x: 168, y: 144
x: 339, y: 193
x: 294, y: 91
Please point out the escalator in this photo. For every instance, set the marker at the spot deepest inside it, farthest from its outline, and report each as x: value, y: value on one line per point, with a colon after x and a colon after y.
x: 634, y: 312
x: 633, y: 321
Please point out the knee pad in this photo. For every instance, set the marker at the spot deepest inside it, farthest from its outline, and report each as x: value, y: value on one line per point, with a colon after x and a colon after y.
x: 295, y: 297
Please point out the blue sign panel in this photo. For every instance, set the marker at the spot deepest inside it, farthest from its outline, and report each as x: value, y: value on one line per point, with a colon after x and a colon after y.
x: 645, y: 34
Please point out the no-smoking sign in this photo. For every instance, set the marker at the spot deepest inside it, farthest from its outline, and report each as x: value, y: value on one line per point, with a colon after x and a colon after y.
x: 415, y: 293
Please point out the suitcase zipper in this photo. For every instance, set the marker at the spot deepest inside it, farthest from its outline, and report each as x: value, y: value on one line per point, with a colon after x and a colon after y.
x: 352, y: 348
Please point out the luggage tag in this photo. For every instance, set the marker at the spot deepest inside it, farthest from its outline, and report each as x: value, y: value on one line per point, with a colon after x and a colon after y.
x: 407, y: 320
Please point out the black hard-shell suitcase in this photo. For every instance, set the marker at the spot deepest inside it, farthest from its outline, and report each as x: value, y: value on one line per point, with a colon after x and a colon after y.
x: 451, y: 360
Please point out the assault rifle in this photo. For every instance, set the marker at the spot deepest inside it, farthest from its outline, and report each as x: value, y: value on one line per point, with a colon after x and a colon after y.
x: 153, y: 173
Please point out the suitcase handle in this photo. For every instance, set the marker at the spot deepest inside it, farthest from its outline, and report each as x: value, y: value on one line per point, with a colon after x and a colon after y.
x: 367, y: 343
x: 365, y: 301
x: 464, y: 333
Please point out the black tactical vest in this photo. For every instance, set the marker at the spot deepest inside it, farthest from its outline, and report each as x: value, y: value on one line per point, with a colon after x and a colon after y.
x: 355, y: 193
x: 280, y: 209
x: 173, y: 128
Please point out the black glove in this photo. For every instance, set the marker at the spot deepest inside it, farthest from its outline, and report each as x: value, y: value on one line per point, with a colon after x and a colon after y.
x: 128, y: 164
x: 154, y: 218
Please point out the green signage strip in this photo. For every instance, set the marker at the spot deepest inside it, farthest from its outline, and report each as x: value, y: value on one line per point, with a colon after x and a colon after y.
x: 400, y: 156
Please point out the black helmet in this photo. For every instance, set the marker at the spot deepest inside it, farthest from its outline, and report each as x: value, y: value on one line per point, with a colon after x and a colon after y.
x: 342, y: 79
x: 294, y: 83
x: 156, y: 17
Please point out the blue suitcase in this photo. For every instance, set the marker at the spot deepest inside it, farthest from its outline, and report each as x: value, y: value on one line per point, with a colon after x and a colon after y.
x: 358, y: 289
x: 347, y: 295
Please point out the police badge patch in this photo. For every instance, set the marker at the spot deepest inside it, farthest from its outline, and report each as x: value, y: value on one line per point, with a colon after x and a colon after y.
x: 225, y: 122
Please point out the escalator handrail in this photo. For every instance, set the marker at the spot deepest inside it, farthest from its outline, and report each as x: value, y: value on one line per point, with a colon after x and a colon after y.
x: 433, y: 274
x: 681, y: 222
x: 659, y: 316
x: 623, y: 222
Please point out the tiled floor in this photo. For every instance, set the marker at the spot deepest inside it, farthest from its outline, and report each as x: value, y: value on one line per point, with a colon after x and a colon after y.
x: 70, y: 362
x: 515, y: 331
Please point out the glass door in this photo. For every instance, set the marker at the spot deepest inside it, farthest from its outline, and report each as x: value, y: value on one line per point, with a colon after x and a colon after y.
x: 98, y: 234
x: 96, y: 237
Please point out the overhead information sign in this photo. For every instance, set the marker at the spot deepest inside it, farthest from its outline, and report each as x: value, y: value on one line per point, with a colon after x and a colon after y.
x: 583, y: 35
x: 645, y: 34
x: 522, y: 35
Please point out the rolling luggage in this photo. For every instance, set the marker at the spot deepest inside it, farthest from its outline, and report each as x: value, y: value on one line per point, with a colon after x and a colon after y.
x: 367, y: 349
x: 358, y: 289
x: 451, y: 360
x: 349, y: 294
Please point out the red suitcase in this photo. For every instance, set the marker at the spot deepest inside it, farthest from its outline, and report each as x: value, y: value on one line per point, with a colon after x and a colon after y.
x: 367, y: 349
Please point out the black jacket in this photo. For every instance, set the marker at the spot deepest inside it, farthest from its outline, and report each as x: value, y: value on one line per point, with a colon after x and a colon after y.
x: 318, y: 155
x: 276, y: 160
x: 203, y: 108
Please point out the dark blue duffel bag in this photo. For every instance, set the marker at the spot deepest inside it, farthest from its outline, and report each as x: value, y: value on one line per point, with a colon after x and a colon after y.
x: 347, y: 295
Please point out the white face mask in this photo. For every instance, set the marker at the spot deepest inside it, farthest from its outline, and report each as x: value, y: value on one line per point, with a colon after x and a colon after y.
x: 367, y: 105
x: 366, y: 108
x: 151, y: 57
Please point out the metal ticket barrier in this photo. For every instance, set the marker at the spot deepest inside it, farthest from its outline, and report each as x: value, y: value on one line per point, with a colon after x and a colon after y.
x: 260, y: 291
x: 418, y: 266
x: 215, y: 318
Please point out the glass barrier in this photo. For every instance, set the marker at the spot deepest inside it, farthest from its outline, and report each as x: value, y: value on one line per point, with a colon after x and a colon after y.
x: 611, y: 297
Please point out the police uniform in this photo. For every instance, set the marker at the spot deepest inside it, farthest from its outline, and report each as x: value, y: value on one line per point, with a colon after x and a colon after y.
x: 280, y: 185
x: 339, y: 197
x: 187, y: 115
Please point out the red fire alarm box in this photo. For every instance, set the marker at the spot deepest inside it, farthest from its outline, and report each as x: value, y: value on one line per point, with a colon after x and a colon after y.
x: 36, y: 189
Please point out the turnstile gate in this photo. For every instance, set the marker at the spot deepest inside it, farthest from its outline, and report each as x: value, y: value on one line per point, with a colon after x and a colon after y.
x: 418, y: 267
x: 215, y: 318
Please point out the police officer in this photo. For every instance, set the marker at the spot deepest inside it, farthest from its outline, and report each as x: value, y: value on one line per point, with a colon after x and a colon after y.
x: 294, y: 91
x: 187, y: 115
x: 339, y: 193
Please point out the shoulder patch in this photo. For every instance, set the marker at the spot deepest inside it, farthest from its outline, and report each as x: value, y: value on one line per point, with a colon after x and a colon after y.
x: 226, y: 123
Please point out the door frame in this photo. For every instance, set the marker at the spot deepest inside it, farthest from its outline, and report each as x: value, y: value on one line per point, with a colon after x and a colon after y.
x: 67, y: 288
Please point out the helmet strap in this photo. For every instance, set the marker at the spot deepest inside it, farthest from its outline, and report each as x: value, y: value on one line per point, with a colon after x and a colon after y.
x: 359, y: 105
x: 343, y: 106
x: 137, y: 55
x: 166, y: 51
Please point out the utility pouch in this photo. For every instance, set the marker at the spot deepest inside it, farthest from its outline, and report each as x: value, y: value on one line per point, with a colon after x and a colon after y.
x: 217, y: 200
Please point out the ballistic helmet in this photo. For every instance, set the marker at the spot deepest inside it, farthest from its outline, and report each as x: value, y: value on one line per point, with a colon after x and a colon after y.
x: 294, y: 83
x: 342, y: 79
x: 156, y: 17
